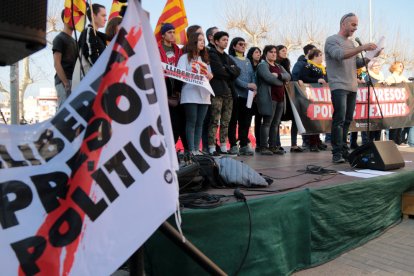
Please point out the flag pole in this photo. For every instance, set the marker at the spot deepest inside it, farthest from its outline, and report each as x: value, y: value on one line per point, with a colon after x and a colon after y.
x: 209, y: 266
x: 92, y: 16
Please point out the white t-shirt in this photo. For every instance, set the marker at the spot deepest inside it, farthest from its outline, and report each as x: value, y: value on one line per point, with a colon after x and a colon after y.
x: 191, y: 93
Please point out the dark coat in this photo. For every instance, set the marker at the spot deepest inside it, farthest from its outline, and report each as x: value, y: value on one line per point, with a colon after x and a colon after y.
x: 297, y: 68
x: 224, y: 71
x: 265, y: 81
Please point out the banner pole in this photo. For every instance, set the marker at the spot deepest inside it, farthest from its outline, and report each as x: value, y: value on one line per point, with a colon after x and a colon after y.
x: 209, y: 266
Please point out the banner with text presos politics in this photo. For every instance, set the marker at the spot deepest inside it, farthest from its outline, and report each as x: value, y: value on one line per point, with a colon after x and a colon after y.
x: 313, y: 110
x: 81, y: 192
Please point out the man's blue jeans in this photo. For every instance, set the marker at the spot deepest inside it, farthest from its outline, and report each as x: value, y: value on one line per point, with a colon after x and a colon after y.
x: 343, y: 102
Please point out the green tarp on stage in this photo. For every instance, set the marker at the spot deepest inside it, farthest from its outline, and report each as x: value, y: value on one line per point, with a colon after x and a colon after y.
x: 290, y: 231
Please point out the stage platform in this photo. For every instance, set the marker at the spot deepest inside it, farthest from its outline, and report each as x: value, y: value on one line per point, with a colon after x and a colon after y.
x: 300, y: 221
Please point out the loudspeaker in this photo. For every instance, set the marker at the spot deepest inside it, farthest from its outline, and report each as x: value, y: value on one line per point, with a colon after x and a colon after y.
x: 377, y: 155
x: 22, y: 29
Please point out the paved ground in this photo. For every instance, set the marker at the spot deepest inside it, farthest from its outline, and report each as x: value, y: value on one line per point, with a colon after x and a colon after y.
x: 390, y: 254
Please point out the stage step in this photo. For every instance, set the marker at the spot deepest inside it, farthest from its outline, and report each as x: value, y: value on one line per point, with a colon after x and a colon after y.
x: 408, y: 204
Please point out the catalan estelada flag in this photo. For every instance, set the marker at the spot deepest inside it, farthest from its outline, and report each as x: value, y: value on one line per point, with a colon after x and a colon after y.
x: 79, y: 12
x: 116, y: 8
x: 174, y: 13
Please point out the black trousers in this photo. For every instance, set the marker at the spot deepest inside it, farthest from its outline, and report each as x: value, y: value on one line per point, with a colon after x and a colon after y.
x: 177, y: 115
x: 241, y: 116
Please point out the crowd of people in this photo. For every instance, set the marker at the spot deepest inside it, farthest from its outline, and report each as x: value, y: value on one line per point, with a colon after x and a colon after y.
x: 197, y: 115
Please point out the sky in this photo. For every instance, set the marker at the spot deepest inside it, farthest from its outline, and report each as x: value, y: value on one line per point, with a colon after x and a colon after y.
x: 388, y: 16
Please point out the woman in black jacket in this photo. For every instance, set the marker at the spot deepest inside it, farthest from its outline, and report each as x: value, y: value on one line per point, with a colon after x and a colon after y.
x: 315, y: 72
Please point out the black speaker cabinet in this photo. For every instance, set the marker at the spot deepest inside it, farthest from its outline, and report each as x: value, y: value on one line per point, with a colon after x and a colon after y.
x: 377, y: 155
x: 22, y: 29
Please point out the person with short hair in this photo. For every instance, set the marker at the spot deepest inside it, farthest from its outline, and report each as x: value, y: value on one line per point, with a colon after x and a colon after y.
x: 92, y: 42
x: 210, y: 36
x: 241, y: 116
x: 302, y: 61
x: 225, y: 72
x: 342, y: 62
x: 314, y: 72
x: 204, y: 137
x: 65, y: 50
x: 170, y: 54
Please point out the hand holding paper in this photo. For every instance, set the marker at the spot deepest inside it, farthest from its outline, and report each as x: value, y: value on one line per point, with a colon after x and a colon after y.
x: 374, y: 53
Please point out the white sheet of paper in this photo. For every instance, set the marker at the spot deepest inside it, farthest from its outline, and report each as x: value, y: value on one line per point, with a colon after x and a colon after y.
x: 374, y: 172
x: 367, y: 173
x: 250, y: 97
x: 380, y: 46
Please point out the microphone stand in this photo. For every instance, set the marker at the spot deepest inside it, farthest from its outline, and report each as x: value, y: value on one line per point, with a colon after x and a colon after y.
x: 369, y: 85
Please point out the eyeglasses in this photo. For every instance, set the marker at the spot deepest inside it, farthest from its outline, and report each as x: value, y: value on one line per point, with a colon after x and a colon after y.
x: 241, y: 43
x: 346, y: 16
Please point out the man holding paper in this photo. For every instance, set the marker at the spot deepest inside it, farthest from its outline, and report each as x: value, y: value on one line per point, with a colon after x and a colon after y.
x: 244, y: 85
x: 342, y: 63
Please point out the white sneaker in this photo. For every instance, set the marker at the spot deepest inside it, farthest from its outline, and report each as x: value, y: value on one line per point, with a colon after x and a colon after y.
x: 223, y: 149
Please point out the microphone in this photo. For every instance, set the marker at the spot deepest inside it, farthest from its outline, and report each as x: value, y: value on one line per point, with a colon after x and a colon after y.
x: 357, y: 40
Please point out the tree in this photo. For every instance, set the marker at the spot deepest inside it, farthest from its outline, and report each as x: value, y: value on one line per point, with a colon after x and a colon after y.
x: 54, y: 24
x: 296, y: 23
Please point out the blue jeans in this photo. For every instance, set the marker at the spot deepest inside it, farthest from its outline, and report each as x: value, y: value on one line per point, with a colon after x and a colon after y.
x: 344, y: 105
x: 410, y: 140
x: 270, y: 126
x: 194, y: 115
x: 62, y: 93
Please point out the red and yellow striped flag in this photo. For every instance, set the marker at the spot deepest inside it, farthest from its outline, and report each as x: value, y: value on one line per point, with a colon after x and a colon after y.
x: 116, y: 8
x: 174, y: 13
x: 79, y: 11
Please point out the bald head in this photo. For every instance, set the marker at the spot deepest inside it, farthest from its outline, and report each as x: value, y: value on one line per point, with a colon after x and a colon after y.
x: 348, y: 24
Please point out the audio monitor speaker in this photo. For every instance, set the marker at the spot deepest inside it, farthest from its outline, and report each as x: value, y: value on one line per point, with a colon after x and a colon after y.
x: 22, y: 29
x: 377, y: 155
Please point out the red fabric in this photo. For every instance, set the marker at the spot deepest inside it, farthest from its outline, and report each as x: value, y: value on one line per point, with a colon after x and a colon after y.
x: 177, y: 53
x: 179, y: 144
x: 278, y: 92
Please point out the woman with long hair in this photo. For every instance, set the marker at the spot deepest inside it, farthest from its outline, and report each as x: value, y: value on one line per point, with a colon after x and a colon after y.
x: 254, y: 55
x: 283, y: 60
x: 195, y: 98
x: 241, y: 115
x: 271, y: 78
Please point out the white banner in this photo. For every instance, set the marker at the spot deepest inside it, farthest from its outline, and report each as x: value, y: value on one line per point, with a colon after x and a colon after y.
x: 187, y: 77
x: 81, y: 192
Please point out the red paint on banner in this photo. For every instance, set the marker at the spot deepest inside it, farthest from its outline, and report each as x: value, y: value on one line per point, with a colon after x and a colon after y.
x: 50, y: 261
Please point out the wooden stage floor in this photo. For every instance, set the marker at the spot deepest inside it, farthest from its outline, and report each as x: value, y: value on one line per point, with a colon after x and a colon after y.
x: 287, y: 171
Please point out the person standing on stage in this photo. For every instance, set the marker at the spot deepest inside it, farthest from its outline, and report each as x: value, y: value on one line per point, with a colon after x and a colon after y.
x: 241, y: 116
x: 342, y: 63
x: 170, y: 54
x: 225, y: 72
x: 92, y: 43
x: 195, y: 99
x: 64, y: 58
